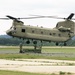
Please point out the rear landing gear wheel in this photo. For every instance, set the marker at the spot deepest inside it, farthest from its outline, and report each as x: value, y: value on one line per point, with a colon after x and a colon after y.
x: 65, y: 44
x: 56, y: 43
x: 34, y: 42
x: 28, y: 42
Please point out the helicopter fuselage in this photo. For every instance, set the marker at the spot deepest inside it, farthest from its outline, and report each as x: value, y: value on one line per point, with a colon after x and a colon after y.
x: 39, y: 33
x: 63, y: 31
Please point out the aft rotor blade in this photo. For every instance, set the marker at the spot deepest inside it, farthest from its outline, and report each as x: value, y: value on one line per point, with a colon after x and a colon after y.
x: 54, y: 17
x: 39, y: 16
x: 70, y: 16
x: 73, y: 18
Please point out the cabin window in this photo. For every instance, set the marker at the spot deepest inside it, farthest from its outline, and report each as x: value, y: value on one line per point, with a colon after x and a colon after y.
x: 59, y: 35
x: 41, y: 32
x: 32, y: 31
x: 54, y: 33
x: 23, y: 30
x: 50, y: 34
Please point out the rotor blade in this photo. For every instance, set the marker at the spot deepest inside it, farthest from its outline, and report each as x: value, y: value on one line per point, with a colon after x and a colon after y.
x: 22, y: 18
x: 73, y: 18
x: 31, y: 17
x: 70, y: 16
x: 4, y: 19
x: 40, y: 16
x: 11, y: 17
x: 48, y: 17
x: 54, y: 17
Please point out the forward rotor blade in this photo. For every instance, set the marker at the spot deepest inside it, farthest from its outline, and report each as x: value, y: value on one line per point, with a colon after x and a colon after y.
x: 13, y: 18
x: 4, y: 18
x: 23, y: 18
x: 31, y: 17
x: 10, y: 17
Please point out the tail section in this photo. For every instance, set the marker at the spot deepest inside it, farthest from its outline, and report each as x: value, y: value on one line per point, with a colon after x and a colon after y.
x: 66, y: 25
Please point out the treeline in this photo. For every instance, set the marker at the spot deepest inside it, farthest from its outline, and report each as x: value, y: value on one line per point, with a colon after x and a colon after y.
x: 15, y: 42
x: 10, y: 41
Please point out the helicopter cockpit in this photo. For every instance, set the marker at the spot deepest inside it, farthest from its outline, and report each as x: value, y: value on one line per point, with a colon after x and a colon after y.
x: 16, y: 22
x: 12, y: 30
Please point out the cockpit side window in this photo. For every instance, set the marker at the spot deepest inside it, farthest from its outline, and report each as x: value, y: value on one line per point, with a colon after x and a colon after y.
x: 13, y: 28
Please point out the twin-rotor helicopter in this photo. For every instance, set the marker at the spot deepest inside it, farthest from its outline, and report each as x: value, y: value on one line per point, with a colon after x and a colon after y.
x: 63, y: 31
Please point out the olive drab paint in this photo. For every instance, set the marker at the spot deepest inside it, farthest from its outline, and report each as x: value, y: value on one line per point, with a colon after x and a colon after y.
x: 63, y: 31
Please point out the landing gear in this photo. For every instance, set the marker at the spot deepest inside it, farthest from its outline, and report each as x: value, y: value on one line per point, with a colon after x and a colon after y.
x: 21, y: 49
x: 57, y: 44
x: 37, y: 48
x: 65, y: 44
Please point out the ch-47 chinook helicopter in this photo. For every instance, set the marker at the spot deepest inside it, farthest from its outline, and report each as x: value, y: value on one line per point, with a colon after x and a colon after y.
x: 63, y: 31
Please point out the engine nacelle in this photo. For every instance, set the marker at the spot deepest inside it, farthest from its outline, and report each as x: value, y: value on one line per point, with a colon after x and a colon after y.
x: 64, y: 29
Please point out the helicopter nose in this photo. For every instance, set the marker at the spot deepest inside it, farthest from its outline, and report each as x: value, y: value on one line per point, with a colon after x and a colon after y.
x: 9, y: 32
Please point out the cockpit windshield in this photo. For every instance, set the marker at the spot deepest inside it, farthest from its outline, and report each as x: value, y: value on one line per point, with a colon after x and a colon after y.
x: 13, y: 28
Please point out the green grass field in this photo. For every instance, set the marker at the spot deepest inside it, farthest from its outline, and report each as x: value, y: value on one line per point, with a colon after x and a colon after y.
x: 44, y: 49
x: 59, y: 49
x: 61, y: 53
x: 4, y: 72
x: 54, y: 51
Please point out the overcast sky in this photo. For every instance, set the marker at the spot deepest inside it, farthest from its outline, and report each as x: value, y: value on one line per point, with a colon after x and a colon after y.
x: 25, y: 8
